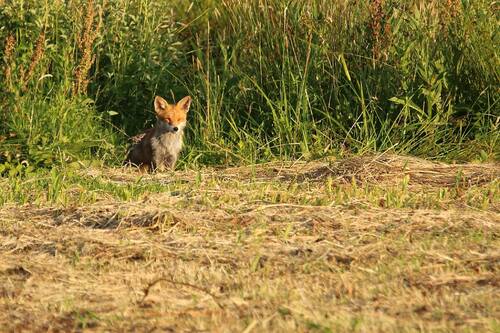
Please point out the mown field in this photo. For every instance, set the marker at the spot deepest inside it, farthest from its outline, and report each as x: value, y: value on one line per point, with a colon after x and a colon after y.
x: 340, y: 171
x: 365, y: 244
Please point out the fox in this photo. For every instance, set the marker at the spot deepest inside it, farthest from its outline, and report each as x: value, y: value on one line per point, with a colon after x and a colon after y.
x: 158, y: 148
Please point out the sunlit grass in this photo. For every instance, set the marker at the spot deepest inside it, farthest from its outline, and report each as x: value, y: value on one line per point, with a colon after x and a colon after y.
x: 379, y: 243
x: 270, y: 80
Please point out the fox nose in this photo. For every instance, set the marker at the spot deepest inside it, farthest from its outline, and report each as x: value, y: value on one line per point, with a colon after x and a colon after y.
x: 176, y: 129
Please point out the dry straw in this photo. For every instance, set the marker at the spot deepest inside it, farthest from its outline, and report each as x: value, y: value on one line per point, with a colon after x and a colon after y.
x: 214, y: 258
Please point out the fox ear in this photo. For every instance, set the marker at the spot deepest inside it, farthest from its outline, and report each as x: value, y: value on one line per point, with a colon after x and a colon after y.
x: 160, y: 104
x: 185, y: 103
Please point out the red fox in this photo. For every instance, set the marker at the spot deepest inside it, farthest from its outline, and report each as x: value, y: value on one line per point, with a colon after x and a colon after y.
x: 158, y: 148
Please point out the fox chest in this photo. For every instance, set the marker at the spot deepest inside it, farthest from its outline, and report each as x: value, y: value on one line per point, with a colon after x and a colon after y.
x: 167, y: 144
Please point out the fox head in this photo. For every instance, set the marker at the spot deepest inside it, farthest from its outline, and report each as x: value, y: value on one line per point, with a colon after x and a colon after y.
x: 172, y: 117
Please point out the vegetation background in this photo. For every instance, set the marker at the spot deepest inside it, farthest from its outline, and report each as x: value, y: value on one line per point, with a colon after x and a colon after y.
x: 276, y: 219
x: 271, y: 79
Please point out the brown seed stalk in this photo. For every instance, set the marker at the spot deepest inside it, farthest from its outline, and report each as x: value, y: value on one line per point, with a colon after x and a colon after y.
x: 35, y: 58
x: 10, y: 44
x: 377, y: 15
x: 85, y: 44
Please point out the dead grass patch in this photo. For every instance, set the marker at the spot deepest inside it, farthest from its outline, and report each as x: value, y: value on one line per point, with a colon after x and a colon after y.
x: 385, y: 169
x: 209, y: 254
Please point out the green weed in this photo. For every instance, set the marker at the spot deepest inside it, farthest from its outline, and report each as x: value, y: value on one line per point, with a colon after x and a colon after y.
x: 286, y: 80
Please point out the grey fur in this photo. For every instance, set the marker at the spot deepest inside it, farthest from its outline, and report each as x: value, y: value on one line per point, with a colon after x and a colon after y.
x: 166, y: 145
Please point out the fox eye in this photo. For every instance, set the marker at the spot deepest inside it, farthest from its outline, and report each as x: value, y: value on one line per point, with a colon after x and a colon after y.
x: 168, y: 120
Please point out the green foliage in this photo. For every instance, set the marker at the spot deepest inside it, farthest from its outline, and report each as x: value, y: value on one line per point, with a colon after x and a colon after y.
x: 138, y: 57
x: 43, y: 120
x: 274, y: 79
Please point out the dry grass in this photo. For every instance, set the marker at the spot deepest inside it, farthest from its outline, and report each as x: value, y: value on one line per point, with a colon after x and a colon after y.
x: 387, y: 168
x: 227, y: 250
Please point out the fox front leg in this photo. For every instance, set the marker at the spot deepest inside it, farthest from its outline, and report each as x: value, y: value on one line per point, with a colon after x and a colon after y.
x: 169, y: 162
x: 158, y: 166
x: 163, y: 164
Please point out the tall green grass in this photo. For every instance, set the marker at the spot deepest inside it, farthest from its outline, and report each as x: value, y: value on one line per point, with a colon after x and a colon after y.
x: 270, y: 79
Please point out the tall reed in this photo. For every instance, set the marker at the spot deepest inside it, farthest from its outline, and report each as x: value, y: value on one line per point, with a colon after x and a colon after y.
x: 270, y: 78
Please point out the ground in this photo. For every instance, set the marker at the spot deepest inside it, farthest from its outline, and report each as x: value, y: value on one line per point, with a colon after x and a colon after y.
x: 365, y: 244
